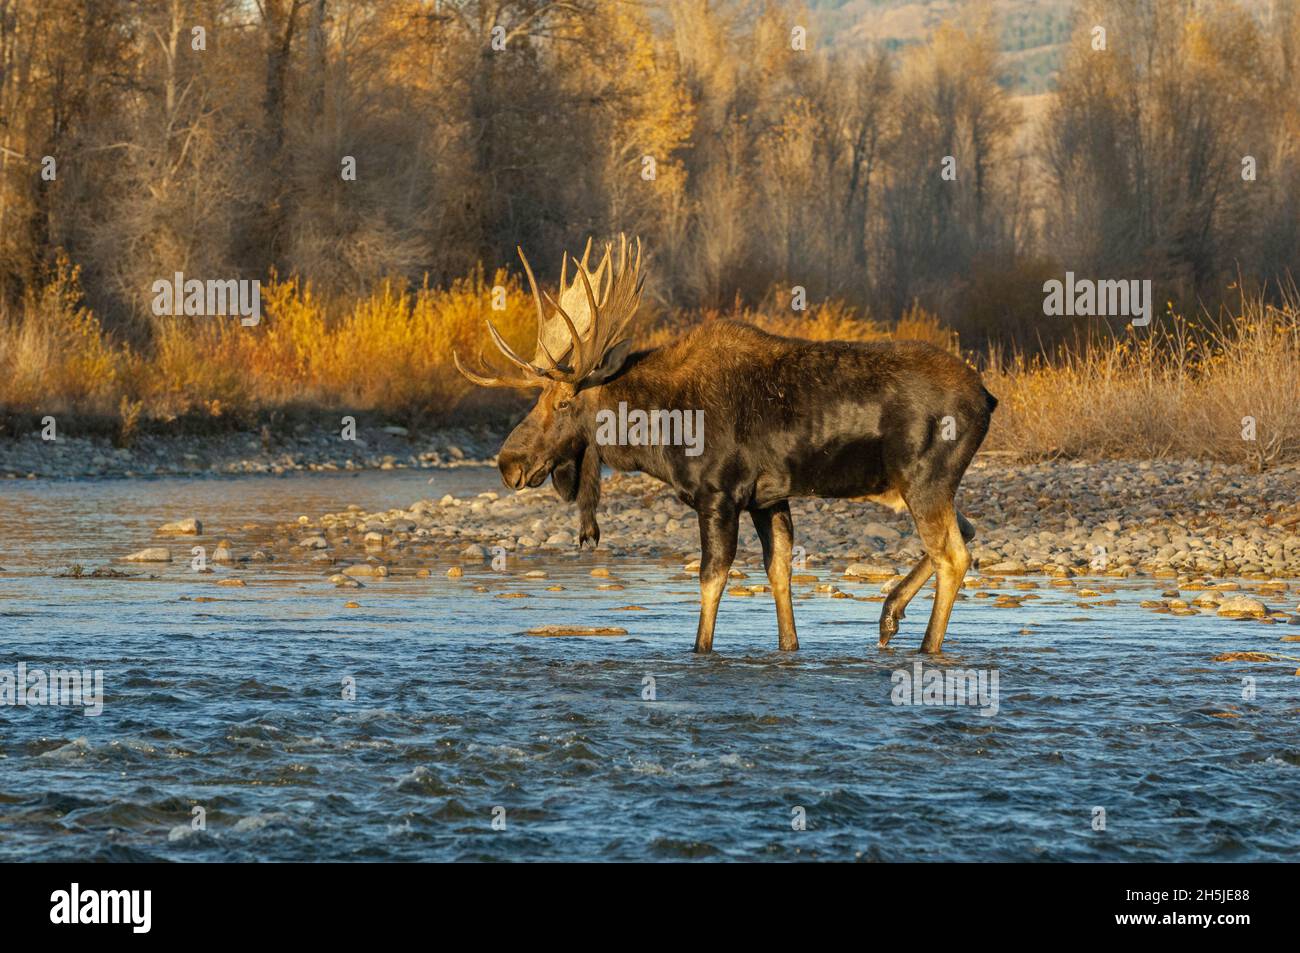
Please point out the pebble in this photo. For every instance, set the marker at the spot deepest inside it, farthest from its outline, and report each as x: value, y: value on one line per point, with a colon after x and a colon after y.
x: 1192, y: 523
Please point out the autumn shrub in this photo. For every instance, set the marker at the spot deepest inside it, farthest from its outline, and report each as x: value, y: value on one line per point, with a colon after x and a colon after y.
x: 1187, y: 388
x: 1183, y: 387
x: 56, y: 357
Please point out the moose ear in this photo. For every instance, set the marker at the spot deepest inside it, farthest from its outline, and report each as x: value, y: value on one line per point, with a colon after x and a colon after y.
x: 610, y: 364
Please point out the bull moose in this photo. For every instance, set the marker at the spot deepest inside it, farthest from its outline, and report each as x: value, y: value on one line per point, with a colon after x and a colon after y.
x: 896, y: 422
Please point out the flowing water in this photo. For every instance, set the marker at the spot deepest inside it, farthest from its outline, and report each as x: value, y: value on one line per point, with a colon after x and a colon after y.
x: 470, y: 739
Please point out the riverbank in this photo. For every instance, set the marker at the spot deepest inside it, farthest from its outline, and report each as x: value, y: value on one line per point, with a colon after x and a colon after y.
x: 152, y: 455
x: 1185, y: 526
x: 1112, y: 518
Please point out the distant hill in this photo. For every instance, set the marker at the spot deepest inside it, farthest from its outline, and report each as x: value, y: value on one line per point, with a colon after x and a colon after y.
x: 1033, y: 32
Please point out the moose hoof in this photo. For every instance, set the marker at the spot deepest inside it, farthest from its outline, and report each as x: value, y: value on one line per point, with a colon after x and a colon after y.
x: 888, y: 629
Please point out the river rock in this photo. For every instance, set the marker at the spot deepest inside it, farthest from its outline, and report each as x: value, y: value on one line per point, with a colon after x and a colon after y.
x: 1005, y: 568
x: 576, y: 630
x: 881, y: 531
x: 186, y: 527
x: 871, y: 571
x: 1242, y: 607
x: 365, y: 569
x: 154, y: 554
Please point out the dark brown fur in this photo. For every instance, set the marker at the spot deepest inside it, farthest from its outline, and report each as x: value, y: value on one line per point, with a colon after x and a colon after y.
x: 783, y: 418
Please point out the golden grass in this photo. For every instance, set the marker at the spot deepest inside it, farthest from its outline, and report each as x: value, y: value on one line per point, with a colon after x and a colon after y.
x: 828, y: 321
x: 388, y: 352
x: 55, y: 356
x: 1179, y: 391
x: 1185, y: 390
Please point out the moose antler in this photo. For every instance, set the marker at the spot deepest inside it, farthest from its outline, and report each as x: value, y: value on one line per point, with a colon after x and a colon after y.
x: 586, y: 325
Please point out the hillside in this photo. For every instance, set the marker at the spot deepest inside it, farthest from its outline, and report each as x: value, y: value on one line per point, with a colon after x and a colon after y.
x: 1032, y: 31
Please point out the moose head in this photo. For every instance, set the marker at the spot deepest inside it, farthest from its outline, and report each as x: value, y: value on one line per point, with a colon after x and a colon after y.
x: 580, y: 345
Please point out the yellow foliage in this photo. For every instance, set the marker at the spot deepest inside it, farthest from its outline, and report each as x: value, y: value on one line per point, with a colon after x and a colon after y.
x: 55, y: 354
x: 390, y: 351
x: 825, y: 321
x: 1183, y: 389
x: 1188, y: 390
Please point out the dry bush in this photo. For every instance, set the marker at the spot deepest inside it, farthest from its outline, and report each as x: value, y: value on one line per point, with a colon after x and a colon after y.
x: 394, y: 349
x: 389, y: 351
x: 1179, y: 392
x: 56, y: 356
x: 1179, y: 389
x: 828, y: 321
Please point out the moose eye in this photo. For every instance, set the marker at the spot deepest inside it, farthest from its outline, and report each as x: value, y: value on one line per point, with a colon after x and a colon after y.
x: 562, y: 405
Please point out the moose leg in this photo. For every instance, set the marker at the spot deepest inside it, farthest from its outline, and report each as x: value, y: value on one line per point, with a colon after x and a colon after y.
x: 776, y: 533
x: 719, y: 525
x: 901, y: 595
x: 898, y: 598
x: 589, y: 497
x: 942, y: 535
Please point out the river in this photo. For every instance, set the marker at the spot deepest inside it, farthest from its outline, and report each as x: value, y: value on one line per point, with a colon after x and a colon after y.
x: 274, y: 722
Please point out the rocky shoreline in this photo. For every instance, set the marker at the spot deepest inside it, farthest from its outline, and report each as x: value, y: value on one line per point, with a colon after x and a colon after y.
x: 1106, y: 518
x: 1184, y: 525
x: 302, y: 449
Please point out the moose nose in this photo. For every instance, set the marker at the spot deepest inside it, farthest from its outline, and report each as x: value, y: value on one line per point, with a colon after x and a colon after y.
x: 512, y: 472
